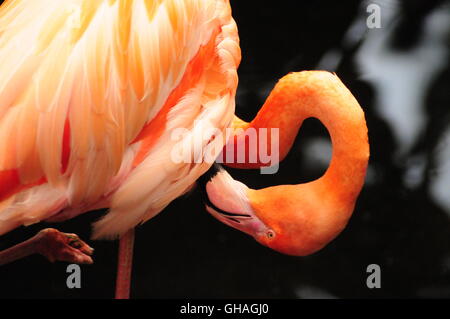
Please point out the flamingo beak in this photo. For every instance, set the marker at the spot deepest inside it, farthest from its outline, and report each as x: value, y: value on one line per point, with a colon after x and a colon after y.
x: 226, y: 200
x: 247, y: 223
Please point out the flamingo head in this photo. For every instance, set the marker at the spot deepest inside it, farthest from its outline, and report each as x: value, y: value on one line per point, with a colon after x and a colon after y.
x: 281, y: 225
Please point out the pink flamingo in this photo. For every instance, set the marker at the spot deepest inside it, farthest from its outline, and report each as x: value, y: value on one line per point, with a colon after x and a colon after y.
x: 90, y: 94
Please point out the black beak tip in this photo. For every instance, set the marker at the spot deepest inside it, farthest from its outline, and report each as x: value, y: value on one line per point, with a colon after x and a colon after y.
x: 209, y: 175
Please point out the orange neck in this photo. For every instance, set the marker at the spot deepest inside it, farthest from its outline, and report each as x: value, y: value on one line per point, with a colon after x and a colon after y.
x: 307, y: 216
x: 321, y: 95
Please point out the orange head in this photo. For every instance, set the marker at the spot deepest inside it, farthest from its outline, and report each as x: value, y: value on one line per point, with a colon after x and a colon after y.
x: 296, y: 220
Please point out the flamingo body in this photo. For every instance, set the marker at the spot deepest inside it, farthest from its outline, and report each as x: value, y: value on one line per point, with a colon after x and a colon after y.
x: 90, y: 94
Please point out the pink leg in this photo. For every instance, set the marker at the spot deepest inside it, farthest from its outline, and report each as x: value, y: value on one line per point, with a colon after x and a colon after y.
x: 124, y: 265
x: 52, y: 244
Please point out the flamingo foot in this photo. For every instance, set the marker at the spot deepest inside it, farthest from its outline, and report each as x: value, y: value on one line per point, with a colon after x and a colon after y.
x: 58, y: 246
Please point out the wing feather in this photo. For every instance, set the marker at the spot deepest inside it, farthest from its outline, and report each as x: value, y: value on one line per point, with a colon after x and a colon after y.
x: 107, y: 67
x: 88, y: 93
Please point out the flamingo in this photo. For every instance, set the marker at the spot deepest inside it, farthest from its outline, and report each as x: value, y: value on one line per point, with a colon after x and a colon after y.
x: 91, y: 92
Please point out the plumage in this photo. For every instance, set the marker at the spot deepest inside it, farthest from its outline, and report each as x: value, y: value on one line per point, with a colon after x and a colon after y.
x: 88, y: 99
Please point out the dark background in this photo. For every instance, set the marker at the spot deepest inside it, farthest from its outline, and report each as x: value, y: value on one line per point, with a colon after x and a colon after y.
x: 398, y: 223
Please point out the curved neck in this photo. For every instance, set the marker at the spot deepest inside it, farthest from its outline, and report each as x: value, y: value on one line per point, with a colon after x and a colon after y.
x: 321, y: 95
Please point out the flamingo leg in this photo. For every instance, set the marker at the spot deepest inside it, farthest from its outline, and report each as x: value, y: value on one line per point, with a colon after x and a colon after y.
x: 54, y: 245
x: 124, y: 265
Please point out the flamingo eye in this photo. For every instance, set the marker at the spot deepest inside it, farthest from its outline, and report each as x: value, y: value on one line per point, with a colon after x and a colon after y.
x: 270, y: 234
